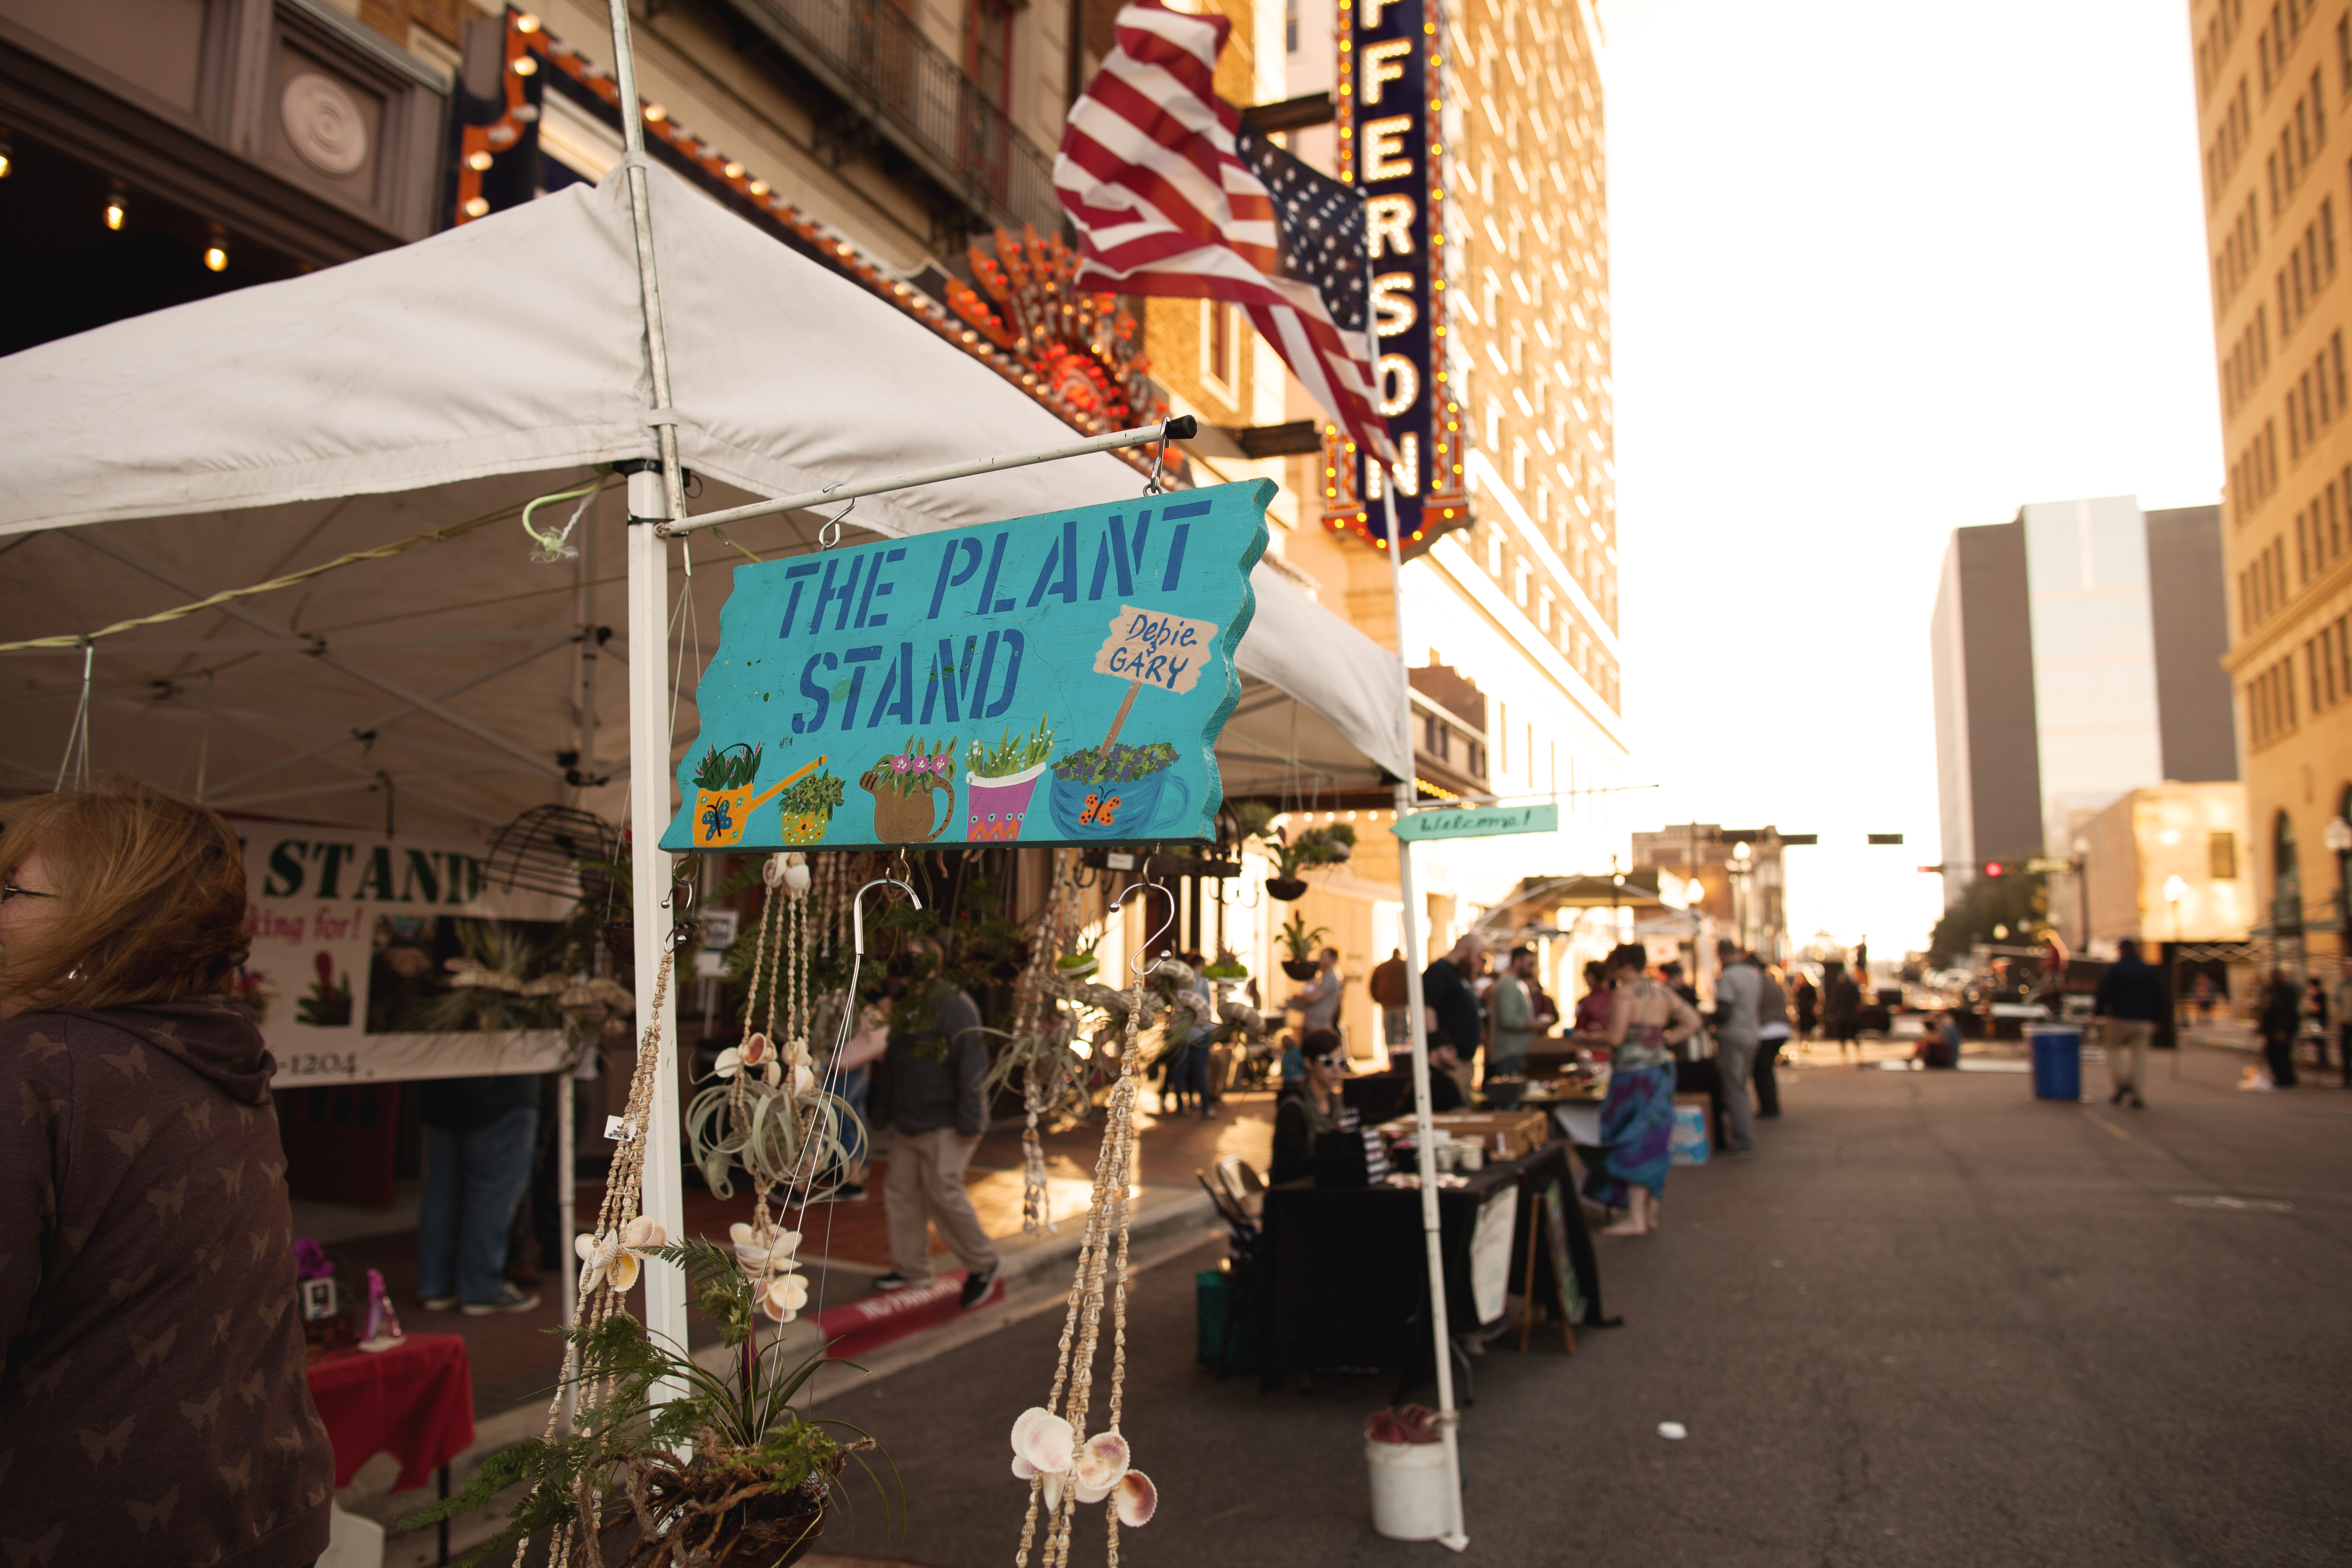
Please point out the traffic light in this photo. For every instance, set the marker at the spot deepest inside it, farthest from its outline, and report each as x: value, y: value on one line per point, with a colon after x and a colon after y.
x: 1994, y: 869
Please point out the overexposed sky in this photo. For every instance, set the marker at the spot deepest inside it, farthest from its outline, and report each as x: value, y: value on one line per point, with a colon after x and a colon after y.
x: 1880, y: 270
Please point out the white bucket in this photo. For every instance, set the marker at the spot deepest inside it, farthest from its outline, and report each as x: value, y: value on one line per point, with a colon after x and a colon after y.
x: 1409, y: 1501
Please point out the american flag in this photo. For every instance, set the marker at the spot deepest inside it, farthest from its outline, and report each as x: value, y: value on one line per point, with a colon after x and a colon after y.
x: 1172, y: 195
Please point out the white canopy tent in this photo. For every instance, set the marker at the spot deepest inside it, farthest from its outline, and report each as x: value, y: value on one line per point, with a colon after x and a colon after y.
x: 452, y: 684
x: 222, y: 442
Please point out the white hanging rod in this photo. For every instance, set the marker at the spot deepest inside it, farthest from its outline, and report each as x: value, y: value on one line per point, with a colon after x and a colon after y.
x: 308, y: 642
x: 1181, y: 428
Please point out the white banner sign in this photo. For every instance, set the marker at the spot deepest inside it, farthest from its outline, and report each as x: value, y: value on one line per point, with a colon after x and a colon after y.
x: 352, y: 935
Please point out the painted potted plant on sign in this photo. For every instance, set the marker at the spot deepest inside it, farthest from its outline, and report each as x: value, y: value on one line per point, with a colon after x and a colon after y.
x: 1118, y: 792
x: 1298, y: 940
x: 723, y: 800
x: 998, y: 780
x: 902, y: 784
x: 806, y: 807
x: 711, y: 1466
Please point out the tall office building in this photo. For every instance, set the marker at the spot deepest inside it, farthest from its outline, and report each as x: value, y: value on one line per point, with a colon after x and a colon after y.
x: 2271, y: 85
x: 2076, y: 655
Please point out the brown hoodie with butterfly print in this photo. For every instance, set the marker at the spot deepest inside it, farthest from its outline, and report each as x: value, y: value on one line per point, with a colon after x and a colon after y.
x: 154, y: 1407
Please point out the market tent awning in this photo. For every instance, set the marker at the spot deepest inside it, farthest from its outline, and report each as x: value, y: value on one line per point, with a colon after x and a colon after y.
x: 233, y: 441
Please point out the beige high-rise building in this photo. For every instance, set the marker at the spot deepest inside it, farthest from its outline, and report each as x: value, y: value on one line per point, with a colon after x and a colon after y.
x: 2274, y: 101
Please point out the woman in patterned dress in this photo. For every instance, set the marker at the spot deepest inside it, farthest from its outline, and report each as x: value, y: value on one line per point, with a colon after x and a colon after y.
x: 1646, y: 1021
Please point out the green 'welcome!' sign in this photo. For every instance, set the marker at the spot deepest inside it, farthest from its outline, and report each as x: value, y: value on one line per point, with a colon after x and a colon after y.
x: 1053, y: 679
x: 1478, y: 822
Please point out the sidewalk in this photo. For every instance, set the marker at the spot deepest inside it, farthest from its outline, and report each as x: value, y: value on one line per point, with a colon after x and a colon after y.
x: 515, y: 1356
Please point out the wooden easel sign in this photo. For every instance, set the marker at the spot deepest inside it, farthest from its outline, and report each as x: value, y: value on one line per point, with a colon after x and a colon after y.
x: 1052, y: 680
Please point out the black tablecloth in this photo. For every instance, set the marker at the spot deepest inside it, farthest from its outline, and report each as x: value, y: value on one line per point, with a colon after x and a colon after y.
x: 1343, y: 1271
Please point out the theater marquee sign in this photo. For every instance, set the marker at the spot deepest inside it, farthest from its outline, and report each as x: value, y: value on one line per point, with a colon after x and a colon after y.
x: 1392, y: 147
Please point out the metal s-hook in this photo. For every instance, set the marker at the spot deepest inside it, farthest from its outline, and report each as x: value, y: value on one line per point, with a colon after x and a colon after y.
x: 1137, y: 962
x: 829, y: 535
x: 1159, y: 455
x: 857, y: 908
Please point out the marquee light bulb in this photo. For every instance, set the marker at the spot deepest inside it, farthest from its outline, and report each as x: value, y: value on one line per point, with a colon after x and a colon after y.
x: 478, y: 161
x: 8, y: 161
x: 526, y: 23
x: 525, y: 66
x: 215, y: 258
x: 117, y: 209
x: 477, y: 207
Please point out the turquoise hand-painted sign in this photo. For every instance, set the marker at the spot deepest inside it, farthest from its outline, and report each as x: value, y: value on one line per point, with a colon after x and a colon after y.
x: 1053, y: 679
x: 1478, y: 822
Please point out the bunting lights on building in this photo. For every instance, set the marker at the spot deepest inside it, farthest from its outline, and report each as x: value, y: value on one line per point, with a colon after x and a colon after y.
x: 1389, y: 125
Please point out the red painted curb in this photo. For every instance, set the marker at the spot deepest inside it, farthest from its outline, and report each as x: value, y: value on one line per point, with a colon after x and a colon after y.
x: 868, y: 1323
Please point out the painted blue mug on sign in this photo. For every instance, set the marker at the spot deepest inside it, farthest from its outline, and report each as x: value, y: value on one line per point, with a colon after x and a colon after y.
x: 1122, y: 802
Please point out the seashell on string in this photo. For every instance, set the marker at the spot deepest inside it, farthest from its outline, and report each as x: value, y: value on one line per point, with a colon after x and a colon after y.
x: 796, y: 876
x: 1044, y: 1439
x: 603, y: 1258
x: 1139, y: 1499
x: 785, y: 1297
x: 642, y: 1235
x: 1023, y: 1469
x: 1101, y: 1463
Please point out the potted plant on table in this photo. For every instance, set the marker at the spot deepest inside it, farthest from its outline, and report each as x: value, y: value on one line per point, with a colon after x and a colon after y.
x: 724, y: 1472
x: 1299, y: 942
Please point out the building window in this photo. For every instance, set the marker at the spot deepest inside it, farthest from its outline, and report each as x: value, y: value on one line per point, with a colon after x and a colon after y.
x: 1520, y: 582
x: 1518, y: 465
x: 1543, y: 612
x: 988, y: 49
x: 1220, y: 349
x: 2221, y: 857
x: 1495, y: 553
x: 1290, y: 26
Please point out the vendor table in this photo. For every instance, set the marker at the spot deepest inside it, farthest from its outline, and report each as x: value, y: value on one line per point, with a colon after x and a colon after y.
x: 414, y: 1401
x: 1344, y: 1272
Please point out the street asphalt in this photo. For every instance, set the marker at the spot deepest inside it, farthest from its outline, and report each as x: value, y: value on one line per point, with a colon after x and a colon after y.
x: 1935, y: 1322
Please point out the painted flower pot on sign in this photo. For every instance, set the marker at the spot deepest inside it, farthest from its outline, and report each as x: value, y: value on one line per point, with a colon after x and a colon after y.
x: 806, y: 828
x: 1130, y: 810
x: 907, y: 819
x: 994, y: 808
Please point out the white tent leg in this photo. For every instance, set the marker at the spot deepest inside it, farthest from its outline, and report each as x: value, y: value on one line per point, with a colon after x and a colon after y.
x: 1425, y: 1131
x: 649, y: 813
x: 567, y: 1160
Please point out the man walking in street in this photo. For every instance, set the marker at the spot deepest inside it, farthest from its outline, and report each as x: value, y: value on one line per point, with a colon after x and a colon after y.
x: 1513, y: 1006
x: 937, y: 1058
x: 2130, y: 1001
x: 1738, y: 989
x: 1451, y: 1005
x: 1771, y: 1034
x: 1390, y: 994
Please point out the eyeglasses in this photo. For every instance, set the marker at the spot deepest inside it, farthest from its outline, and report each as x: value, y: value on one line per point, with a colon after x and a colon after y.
x: 1335, y: 1063
x: 12, y: 891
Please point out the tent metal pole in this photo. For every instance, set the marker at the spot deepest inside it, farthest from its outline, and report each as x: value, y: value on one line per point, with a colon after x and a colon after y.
x: 1424, y: 1129
x: 1178, y: 428
x: 649, y: 727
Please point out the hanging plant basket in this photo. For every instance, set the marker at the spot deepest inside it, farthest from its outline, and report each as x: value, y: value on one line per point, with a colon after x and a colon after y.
x: 1301, y: 969
x: 1286, y: 889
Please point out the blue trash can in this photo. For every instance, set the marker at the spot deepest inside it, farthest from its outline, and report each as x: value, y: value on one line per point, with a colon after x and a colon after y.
x: 2057, y: 1060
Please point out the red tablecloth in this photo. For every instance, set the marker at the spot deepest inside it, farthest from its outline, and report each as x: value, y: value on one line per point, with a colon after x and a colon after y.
x: 415, y: 1402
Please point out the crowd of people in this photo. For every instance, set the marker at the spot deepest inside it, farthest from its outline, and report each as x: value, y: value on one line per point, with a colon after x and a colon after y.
x: 1482, y: 1019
